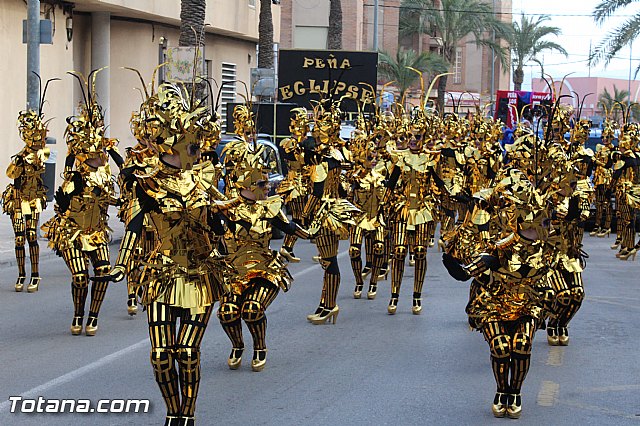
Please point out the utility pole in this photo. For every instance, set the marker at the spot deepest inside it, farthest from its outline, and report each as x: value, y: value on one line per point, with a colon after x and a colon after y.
x: 375, y: 25
x: 493, y: 64
x: 630, y: 61
x: 33, y: 54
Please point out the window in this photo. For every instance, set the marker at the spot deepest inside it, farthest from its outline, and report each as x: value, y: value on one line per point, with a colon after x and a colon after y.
x: 457, y: 67
x: 228, y: 92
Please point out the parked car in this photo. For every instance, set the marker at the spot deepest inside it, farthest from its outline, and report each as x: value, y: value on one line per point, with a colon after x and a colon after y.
x: 272, y: 158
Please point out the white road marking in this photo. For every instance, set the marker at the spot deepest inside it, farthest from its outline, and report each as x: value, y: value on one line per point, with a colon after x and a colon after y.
x: 556, y: 355
x: 68, y: 377
x: 548, y: 393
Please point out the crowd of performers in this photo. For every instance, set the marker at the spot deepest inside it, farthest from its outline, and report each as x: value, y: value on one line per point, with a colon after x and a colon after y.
x: 511, y: 220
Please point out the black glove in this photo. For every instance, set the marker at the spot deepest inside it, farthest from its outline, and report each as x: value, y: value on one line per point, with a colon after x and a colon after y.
x: 116, y: 275
x: 454, y: 267
x: 63, y: 200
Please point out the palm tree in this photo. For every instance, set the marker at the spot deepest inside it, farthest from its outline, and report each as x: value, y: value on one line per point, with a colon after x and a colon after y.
x: 616, y: 102
x: 334, y: 40
x: 621, y: 36
x: 397, y: 69
x: 192, y: 13
x: 265, y: 35
x: 452, y: 21
x: 526, y: 42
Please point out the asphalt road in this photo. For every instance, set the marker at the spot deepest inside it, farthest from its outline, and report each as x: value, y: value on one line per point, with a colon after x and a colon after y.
x: 368, y: 369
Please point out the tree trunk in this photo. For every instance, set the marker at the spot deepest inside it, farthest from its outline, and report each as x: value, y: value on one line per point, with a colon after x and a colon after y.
x: 192, y: 14
x: 265, y: 35
x: 442, y: 89
x: 334, y: 39
x: 518, y: 78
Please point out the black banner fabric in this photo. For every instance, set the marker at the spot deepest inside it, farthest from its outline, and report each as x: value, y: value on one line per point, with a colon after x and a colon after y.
x: 306, y: 75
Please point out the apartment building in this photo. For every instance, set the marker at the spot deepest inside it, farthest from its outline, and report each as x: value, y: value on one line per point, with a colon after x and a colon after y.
x: 115, y: 33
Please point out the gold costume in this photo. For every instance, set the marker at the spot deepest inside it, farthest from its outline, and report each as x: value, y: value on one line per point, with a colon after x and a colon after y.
x: 79, y: 231
x: 25, y: 198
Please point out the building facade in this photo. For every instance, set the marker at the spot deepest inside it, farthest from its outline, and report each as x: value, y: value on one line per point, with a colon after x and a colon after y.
x: 116, y: 33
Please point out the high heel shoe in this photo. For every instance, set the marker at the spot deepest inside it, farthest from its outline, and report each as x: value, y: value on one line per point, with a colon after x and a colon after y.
x: 132, y: 306
x: 499, y: 406
x: 188, y: 421
x: 623, y: 252
x: 595, y: 231
x: 631, y: 253
x: 604, y: 233
x: 357, y: 293
x: 92, y: 326
x: 20, y: 284
x: 235, y: 358
x: 563, y: 336
x: 432, y: 242
x: 412, y: 260
x: 318, y: 311
x: 365, y: 272
x: 259, y: 359
x: 287, y: 253
x: 326, y: 316
x: 373, y: 290
x: 616, y: 244
x: 76, y: 326
x: 33, y: 284
x: 393, y: 305
x: 416, y: 309
x: 316, y: 259
x: 514, y: 406
x: 552, y: 336
x: 440, y: 245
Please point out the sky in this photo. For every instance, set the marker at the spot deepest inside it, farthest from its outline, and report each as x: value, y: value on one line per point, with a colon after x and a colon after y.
x: 578, y: 32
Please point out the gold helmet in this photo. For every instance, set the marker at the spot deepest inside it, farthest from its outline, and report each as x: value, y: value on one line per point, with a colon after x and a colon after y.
x: 299, y: 124
x: 243, y: 122
x: 33, y: 131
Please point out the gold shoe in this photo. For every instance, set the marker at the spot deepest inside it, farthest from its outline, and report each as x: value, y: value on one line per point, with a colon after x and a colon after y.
x: 20, y: 284
x: 416, y: 309
x: 188, y: 421
x: 132, y: 306
x: 365, y: 272
x: 76, y: 326
x: 327, y: 315
x: 631, y: 253
x: 616, y: 244
x: 92, y: 326
x: 594, y: 232
x: 259, y: 359
x: 412, y: 260
x: 499, y: 406
x: 552, y: 336
x: 440, y: 244
x: 622, y: 252
x: 514, y: 406
x: 316, y: 259
x: 357, y: 293
x: 288, y: 254
x: 393, y: 306
x: 33, y: 284
x: 235, y: 358
x: 604, y: 233
x: 319, y: 310
x: 373, y: 290
x: 432, y: 242
x: 563, y: 336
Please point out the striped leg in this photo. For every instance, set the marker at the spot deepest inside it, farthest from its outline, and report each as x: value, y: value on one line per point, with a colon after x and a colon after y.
x: 187, y: 353
x: 521, y: 353
x: 397, y: 263
x: 77, y: 264
x: 495, y: 333
x: 296, y: 205
x: 162, y: 334
x: 256, y: 301
x: 18, y: 222
x: 100, y: 261
x: 420, y: 254
x: 327, y: 244
x: 356, y: 259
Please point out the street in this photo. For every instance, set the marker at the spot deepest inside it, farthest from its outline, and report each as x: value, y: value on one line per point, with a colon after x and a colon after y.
x: 369, y: 368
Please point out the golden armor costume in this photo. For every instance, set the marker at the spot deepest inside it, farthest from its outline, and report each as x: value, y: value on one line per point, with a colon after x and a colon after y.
x: 503, y: 245
x: 258, y: 272
x: 327, y: 214
x: 295, y: 186
x: 602, y: 176
x: 367, y: 192
x: 412, y: 179
x: 25, y: 198
x: 183, y: 274
x: 79, y: 231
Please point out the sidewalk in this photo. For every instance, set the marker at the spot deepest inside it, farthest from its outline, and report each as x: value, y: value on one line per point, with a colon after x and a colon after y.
x: 7, y: 241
